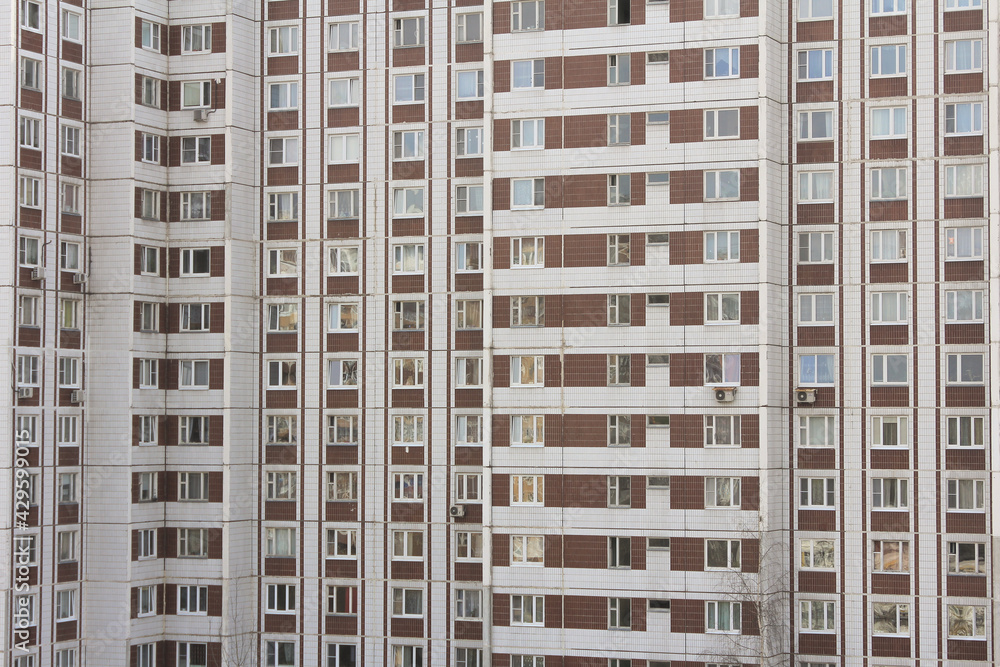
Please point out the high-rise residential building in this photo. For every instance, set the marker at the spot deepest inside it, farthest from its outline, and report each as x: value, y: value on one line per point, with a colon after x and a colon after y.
x: 533, y: 333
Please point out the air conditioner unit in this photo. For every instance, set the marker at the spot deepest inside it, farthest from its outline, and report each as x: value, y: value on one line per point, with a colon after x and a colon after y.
x: 805, y: 395
x: 457, y: 511
x: 725, y: 394
x: 76, y: 396
x: 36, y: 273
x: 79, y: 278
x: 201, y: 115
x: 25, y: 392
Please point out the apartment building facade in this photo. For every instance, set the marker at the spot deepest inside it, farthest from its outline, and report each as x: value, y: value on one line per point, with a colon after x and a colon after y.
x: 527, y: 334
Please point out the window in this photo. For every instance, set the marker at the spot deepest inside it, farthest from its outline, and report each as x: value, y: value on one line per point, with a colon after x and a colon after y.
x: 408, y: 258
x: 67, y: 658
x: 890, y: 431
x: 469, y: 372
x: 281, y: 598
x: 66, y: 430
x: 619, y: 67
x: 407, y: 602
x: 282, y: 262
x: 70, y: 198
x: 69, y: 256
x: 147, y: 487
x: 30, y: 192
x: 816, y: 554
x: 815, y: 125
x: 343, y: 37
x: 193, y: 486
x: 722, y: 430
x: 815, y: 309
x: 966, y: 494
x: 196, y: 94
x: 963, y: 180
x: 71, y: 84
x: 722, y: 123
x: 65, y: 605
x: 71, y: 140
x: 150, y: 36
x: 408, y: 315
x: 148, y: 373
x: 817, y: 615
x: 889, y: 184
x: 890, y: 618
x: 344, y: 148
x: 722, y: 185
x: 527, y: 489
x: 69, y: 372
x: 27, y: 311
x: 470, y: 84
x: 468, y: 604
x: 722, y: 63
x: 469, y: 430
x: 69, y: 311
x: 196, y: 206
x: 280, y: 542
x: 280, y: 654
x: 619, y: 249
x: 469, y: 141
x: 619, y: 190
x: 619, y: 129
x: 469, y: 199
x: 815, y: 247
x: 619, y: 491
x: 963, y: 118
x: 344, y: 204
x: 147, y: 600
x: 146, y: 655
x: 527, y: 15
x: 888, y: 7
x: 717, y: 9
x: 283, y: 96
x: 963, y: 55
x: 619, y: 370
x: 966, y: 620
x: 408, y: 372
x: 527, y: 74
x: 26, y: 429
x: 722, y: 308
x: 890, y: 368
x: 527, y: 134
x: 407, y: 486
x: 192, y: 542
x: 527, y: 661
x: 963, y: 4
x: 193, y: 374
x: 527, y: 311
x: 527, y: 609
x: 281, y: 374
x: 966, y: 558
x: 31, y: 15
x: 198, y: 39
x: 620, y: 615
x: 965, y: 368
x: 282, y: 317
x: 890, y: 494
x: 619, y: 309
x: 889, y: 307
x: 342, y: 600
x: 527, y: 550
x: 31, y: 73
x: 30, y: 132
x: 722, y: 369
x: 150, y: 205
x: 620, y: 552
x: 344, y: 92
x: 723, y: 617
x: 966, y: 431
x: 527, y: 430
x: 888, y: 60
x: 192, y: 600
x: 27, y: 370
x: 195, y: 317
x: 722, y: 554
x: 283, y: 151
x: 409, y: 88
x: 890, y: 556
x: 469, y: 28
x: 281, y: 485
x: 468, y: 657
x: 147, y: 543
x: 815, y: 9
x: 888, y: 122
x: 194, y: 430
x: 722, y: 492
x: 408, y: 202
x: 963, y: 243
x: 342, y: 544
x: 816, y: 369
x: 342, y: 373
x: 284, y: 40
x: 342, y: 430
x: 815, y: 186
x: 196, y: 150
x: 341, y: 486
x: 343, y: 317
x: 344, y: 261
x: 817, y: 492
x: 408, y: 32
x: 407, y: 544
x: 527, y: 371
x: 408, y: 656
x: 815, y: 65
